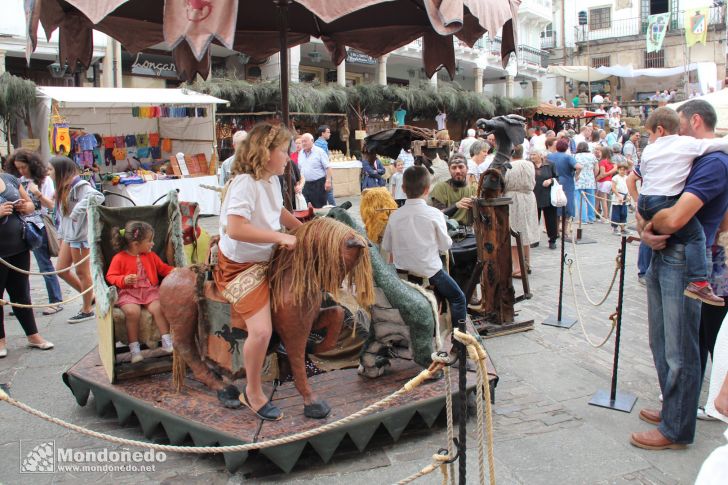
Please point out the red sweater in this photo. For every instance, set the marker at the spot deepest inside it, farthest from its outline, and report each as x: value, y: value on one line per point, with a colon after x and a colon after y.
x: 123, y: 264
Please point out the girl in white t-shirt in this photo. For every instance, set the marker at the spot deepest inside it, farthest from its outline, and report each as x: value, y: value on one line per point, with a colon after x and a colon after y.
x: 251, y: 217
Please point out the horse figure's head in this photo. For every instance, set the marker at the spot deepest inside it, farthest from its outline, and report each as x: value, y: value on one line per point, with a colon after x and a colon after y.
x: 327, y: 253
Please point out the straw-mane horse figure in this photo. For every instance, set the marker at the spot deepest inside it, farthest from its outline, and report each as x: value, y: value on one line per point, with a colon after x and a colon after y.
x: 327, y: 253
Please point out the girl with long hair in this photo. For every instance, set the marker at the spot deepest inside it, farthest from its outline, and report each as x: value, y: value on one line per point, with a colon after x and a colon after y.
x: 73, y: 195
x: 251, y: 218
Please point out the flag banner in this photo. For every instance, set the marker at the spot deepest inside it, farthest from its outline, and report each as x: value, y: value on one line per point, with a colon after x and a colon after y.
x: 656, y: 30
x: 696, y: 26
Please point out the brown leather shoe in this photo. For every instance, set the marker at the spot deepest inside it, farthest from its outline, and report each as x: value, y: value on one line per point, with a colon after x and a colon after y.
x: 704, y: 294
x: 654, y: 440
x: 651, y: 416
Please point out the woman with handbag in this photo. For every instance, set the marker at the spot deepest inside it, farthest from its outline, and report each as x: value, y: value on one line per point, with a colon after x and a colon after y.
x: 545, y: 175
x: 15, y: 203
x: 33, y: 174
x: 520, y: 180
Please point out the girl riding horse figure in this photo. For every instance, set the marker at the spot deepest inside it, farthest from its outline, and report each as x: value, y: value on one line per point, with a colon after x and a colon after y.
x: 272, y: 280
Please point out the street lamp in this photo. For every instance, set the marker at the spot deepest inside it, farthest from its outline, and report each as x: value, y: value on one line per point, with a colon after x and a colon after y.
x: 583, y: 21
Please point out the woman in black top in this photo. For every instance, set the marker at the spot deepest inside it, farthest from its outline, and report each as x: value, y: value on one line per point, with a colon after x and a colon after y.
x: 14, y: 202
x: 544, y: 179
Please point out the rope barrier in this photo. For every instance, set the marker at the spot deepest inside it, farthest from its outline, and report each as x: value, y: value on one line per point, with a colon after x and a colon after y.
x: 46, y: 305
x: 33, y: 273
x: 441, y: 460
x: 478, y: 354
x: 620, y: 224
x: 407, y: 387
x: 581, y: 279
x: 438, y: 461
x: 581, y: 319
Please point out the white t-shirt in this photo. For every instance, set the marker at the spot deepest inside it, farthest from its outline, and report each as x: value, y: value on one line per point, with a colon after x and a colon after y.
x: 667, y: 161
x: 47, y: 190
x: 261, y: 203
x: 465, y: 145
x: 538, y: 142
x: 621, y: 182
x: 615, y: 110
x: 396, y: 180
x: 415, y: 235
x: 597, y: 98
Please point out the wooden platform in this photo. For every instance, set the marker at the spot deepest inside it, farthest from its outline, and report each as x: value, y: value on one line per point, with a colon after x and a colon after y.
x: 195, y: 412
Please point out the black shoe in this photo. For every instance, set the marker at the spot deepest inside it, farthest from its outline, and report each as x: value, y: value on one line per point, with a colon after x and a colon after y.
x: 552, y: 245
x: 267, y: 412
x: 534, y: 245
x: 82, y: 317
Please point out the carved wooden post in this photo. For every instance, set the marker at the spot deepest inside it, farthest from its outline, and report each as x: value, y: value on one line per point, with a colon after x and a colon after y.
x: 492, y: 225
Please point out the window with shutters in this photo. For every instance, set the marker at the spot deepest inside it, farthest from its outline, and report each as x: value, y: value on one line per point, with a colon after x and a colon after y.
x: 600, y: 18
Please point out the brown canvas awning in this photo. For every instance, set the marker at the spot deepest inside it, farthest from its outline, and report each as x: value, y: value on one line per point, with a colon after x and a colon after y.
x: 374, y: 27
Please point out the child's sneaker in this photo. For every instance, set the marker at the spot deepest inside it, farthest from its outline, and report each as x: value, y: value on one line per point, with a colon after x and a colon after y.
x: 136, y: 352
x: 616, y: 231
x: 82, y: 317
x: 702, y: 291
x: 167, y: 343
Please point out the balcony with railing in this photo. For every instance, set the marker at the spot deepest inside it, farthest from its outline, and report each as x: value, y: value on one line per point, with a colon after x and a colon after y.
x: 539, y: 10
x: 532, y: 57
x: 637, y: 26
x: 548, y: 41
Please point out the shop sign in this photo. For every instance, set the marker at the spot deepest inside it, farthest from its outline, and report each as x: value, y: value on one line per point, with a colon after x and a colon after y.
x: 151, y: 65
x: 357, y: 57
x: 32, y: 144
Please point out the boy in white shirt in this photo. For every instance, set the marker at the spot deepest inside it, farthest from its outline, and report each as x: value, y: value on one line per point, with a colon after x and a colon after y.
x: 665, y: 166
x: 416, y: 234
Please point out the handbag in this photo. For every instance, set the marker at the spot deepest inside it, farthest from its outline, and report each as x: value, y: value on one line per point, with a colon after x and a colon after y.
x: 32, y: 234
x: 54, y: 245
x: 558, y: 196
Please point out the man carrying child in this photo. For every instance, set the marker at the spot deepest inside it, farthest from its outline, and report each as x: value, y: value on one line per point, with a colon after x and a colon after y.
x: 674, y: 320
x: 416, y: 234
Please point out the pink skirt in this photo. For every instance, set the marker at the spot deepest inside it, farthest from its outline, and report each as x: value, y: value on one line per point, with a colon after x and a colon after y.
x: 138, y: 296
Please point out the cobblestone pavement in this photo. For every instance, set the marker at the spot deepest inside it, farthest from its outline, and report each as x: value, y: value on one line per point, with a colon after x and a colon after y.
x: 545, y: 432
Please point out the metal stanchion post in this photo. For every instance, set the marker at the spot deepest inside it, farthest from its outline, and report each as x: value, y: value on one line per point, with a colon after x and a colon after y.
x: 613, y: 399
x: 560, y: 320
x: 579, y: 236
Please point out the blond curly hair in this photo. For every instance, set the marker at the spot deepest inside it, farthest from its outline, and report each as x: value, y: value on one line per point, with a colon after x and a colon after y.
x: 253, y: 155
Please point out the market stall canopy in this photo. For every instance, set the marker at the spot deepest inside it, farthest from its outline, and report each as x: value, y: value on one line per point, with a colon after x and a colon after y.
x: 719, y: 101
x: 187, y: 27
x: 121, y: 97
x: 547, y: 109
x: 581, y: 74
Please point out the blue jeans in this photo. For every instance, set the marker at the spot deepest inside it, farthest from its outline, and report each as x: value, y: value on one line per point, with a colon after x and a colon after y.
x: 619, y: 214
x: 643, y: 259
x: 587, y: 208
x: 53, y: 286
x: 674, y: 323
x: 449, y: 289
x: 691, y: 234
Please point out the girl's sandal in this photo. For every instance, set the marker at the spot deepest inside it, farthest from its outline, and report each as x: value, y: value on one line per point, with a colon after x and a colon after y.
x: 52, y: 310
x: 267, y: 412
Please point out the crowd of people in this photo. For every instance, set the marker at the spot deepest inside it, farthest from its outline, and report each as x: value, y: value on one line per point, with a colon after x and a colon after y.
x: 51, y: 201
x: 675, y: 186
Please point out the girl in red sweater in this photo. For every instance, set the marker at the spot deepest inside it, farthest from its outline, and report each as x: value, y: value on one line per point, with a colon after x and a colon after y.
x: 135, y: 270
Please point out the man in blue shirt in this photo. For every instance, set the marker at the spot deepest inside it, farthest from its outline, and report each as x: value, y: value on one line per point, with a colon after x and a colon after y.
x: 322, y: 141
x: 674, y: 320
x: 314, y: 165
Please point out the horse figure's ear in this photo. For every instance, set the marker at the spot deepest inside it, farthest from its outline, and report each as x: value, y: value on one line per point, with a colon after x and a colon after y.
x: 355, y: 242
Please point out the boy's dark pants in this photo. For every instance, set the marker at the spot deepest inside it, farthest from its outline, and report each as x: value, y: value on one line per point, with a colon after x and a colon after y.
x: 691, y: 234
x: 449, y: 289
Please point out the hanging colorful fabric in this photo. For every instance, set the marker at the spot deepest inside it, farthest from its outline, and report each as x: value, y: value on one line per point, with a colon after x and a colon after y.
x: 167, y: 145
x: 154, y: 139
x: 61, y: 139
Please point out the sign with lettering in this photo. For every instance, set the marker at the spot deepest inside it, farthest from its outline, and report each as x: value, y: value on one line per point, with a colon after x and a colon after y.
x: 150, y: 65
x: 357, y: 57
